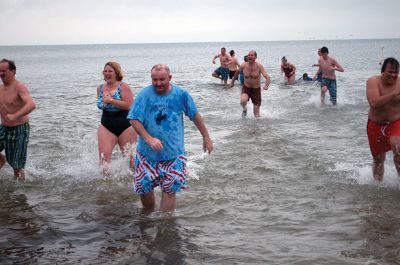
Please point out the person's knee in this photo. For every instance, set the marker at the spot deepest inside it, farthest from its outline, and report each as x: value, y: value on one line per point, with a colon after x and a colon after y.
x: 379, y: 159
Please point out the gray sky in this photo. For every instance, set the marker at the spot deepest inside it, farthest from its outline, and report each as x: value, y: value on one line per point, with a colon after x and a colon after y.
x: 31, y: 22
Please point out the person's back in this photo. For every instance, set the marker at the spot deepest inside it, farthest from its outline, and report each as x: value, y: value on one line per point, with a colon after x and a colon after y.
x: 233, y: 63
x: 305, y: 77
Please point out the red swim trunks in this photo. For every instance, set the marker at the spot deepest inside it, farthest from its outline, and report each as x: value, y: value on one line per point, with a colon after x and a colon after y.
x: 379, y: 135
x: 253, y: 93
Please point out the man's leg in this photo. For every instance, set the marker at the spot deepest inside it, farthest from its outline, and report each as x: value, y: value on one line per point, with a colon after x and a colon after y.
x: 256, y: 111
x: 148, y: 200
x: 332, y: 92
x: 243, y: 102
x: 395, y: 144
x: 323, y: 91
x: 168, y: 202
x: 378, y: 166
x: 214, y: 74
x: 19, y: 173
x: 2, y: 160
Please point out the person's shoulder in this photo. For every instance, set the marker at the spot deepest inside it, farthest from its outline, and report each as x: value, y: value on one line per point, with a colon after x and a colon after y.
x: 332, y: 59
x: 125, y: 85
x: 179, y: 89
x: 373, y: 80
x: 260, y: 65
x: 20, y: 85
x: 145, y: 90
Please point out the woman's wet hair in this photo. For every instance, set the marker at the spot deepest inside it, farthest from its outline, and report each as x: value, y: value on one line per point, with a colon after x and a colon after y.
x: 117, y: 68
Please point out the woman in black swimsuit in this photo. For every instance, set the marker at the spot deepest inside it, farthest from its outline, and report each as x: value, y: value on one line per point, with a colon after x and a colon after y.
x: 114, y: 98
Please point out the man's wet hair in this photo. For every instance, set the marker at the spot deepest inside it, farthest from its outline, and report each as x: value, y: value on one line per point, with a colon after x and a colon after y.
x: 159, y: 67
x: 255, y: 53
x: 392, y: 61
x: 11, y: 65
x: 324, y: 50
x: 231, y: 52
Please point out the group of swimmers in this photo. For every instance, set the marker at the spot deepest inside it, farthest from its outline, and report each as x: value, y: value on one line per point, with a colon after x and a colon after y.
x: 230, y: 67
x: 156, y: 114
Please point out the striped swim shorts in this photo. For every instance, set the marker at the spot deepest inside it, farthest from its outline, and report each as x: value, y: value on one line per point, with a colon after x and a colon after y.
x: 14, y: 140
x: 170, y: 175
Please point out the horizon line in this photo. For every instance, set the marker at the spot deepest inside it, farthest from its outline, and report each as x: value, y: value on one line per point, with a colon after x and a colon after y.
x: 189, y: 42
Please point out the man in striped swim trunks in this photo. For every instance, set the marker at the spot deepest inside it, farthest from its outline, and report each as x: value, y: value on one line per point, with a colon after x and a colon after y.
x: 15, y: 105
x: 222, y: 72
x: 157, y: 116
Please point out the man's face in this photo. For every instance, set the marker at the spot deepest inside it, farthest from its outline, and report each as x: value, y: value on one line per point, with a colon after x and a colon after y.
x: 160, y: 80
x: 5, y: 72
x: 251, y: 57
x: 324, y: 55
x: 390, y: 74
x: 223, y: 51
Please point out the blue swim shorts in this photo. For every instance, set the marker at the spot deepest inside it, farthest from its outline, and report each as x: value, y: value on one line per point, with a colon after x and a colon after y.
x: 223, y: 72
x: 14, y: 140
x: 331, y: 85
x: 170, y: 175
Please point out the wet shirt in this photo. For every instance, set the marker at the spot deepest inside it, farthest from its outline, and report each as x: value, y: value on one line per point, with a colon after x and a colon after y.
x: 162, y: 117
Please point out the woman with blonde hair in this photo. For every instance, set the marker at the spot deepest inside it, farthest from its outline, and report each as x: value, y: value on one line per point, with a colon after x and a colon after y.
x: 114, y: 98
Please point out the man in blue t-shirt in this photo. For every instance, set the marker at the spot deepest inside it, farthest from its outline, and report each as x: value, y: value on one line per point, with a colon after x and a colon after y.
x: 157, y: 116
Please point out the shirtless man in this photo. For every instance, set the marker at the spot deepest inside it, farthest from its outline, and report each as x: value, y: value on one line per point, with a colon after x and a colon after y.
x: 328, y: 66
x: 233, y: 64
x: 252, y: 83
x: 383, y: 128
x: 15, y: 105
x: 222, y: 72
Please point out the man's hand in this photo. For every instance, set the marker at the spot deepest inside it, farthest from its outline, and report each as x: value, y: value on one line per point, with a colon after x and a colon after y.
x: 208, y: 145
x: 155, y: 144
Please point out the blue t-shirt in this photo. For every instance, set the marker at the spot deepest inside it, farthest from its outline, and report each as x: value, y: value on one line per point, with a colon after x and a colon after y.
x: 162, y: 117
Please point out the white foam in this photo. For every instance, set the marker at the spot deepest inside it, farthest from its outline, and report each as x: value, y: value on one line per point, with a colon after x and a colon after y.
x: 193, y: 167
x: 363, y: 175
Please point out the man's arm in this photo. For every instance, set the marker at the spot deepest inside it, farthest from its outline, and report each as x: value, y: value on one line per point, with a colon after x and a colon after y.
x: 266, y: 76
x: 236, y: 75
x: 317, y: 73
x: 207, y: 143
x: 28, y: 106
x: 154, y: 143
x: 375, y: 99
x: 215, y: 57
x: 338, y: 66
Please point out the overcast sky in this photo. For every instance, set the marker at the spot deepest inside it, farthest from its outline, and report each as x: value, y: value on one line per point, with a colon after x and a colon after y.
x: 32, y: 22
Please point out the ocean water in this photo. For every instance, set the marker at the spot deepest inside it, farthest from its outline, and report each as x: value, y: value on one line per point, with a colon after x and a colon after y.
x: 293, y: 187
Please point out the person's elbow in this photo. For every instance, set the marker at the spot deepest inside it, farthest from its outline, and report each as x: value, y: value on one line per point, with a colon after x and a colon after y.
x: 33, y: 105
